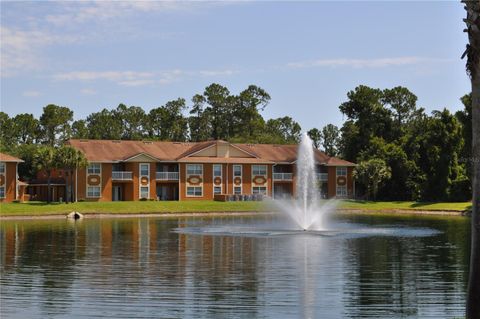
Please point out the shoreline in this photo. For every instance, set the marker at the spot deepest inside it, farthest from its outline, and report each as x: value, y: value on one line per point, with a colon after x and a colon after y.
x: 353, y: 211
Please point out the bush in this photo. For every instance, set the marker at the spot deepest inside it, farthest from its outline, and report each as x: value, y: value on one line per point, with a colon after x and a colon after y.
x: 461, y: 190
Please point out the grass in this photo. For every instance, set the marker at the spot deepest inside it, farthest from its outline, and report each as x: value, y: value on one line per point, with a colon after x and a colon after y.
x: 138, y: 207
x: 41, y: 208
x: 370, y: 205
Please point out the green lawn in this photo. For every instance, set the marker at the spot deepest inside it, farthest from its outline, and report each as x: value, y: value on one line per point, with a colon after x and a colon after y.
x: 370, y: 205
x: 40, y: 208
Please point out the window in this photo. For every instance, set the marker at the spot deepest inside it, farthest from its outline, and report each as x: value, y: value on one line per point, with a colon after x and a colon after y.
x: 259, y: 169
x: 144, y: 192
x: 144, y: 168
x: 94, y: 168
x: 237, y: 170
x: 2, y: 192
x: 217, y: 170
x: 93, y: 191
x: 341, y: 171
x: 342, y: 191
x: 237, y: 190
x: 2, y: 168
x: 194, y: 169
x: 260, y: 190
x: 217, y: 190
x: 195, y: 191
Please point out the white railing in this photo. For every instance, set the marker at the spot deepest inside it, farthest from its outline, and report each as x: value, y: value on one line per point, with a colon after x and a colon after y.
x: 282, y: 176
x: 167, y: 176
x: 122, y: 176
x: 323, y: 177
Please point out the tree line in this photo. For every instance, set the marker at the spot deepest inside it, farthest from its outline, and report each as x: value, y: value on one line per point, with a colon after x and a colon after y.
x: 403, y: 153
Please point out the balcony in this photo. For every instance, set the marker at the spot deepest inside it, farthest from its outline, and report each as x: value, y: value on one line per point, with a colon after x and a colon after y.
x: 167, y: 176
x: 282, y: 176
x: 322, y: 177
x: 121, y: 176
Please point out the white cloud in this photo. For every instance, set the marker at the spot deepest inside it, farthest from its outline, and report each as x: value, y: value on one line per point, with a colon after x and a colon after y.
x: 137, y: 78
x: 363, y: 63
x: 31, y: 93
x: 88, y: 91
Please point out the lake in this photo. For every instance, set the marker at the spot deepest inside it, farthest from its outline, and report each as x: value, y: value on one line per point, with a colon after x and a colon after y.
x: 406, y: 267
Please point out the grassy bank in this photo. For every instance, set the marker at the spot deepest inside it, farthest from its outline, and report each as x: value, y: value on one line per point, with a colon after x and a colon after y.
x: 40, y: 208
x: 385, y: 206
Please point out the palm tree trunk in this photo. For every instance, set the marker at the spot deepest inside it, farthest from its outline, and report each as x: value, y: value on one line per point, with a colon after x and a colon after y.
x: 473, y: 299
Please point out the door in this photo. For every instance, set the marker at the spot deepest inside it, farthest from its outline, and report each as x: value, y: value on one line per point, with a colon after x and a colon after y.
x: 116, y: 193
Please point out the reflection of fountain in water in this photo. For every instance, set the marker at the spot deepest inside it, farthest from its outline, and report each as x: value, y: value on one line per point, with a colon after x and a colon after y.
x: 307, y: 210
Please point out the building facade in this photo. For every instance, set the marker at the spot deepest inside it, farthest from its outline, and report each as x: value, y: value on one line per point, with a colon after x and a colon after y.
x: 10, y: 187
x: 141, y: 170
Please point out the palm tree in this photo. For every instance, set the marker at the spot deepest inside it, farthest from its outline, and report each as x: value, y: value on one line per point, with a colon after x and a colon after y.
x: 44, y: 160
x: 70, y: 159
x: 473, y: 69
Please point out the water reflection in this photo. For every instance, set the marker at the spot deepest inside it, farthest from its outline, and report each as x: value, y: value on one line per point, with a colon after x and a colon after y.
x: 128, y: 268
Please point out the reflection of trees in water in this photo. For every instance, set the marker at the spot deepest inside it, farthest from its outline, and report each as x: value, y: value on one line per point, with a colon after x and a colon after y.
x: 403, y: 276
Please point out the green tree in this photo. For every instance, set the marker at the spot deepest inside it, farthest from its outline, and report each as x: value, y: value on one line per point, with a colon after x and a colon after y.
x: 80, y: 129
x: 104, y: 125
x: 133, y: 121
x: 199, y: 122
x: 402, y: 101
x: 26, y: 129
x: 316, y: 137
x: 248, y: 105
x: 6, y: 132
x: 372, y: 174
x: 167, y: 122
x: 331, y: 139
x: 216, y: 97
x: 44, y: 160
x: 55, y: 124
x: 473, y: 68
x: 283, y: 130
x: 69, y: 159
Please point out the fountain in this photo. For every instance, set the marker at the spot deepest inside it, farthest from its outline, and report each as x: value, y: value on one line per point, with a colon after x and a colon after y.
x: 307, y: 210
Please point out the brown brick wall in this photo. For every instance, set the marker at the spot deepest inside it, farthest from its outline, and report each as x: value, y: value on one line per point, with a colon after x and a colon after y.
x: 10, y: 182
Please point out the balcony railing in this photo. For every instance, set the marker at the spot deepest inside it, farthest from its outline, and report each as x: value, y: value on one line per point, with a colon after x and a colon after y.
x: 282, y: 176
x: 167, y: 176
x: 323, y: 177
x: 122, y: 176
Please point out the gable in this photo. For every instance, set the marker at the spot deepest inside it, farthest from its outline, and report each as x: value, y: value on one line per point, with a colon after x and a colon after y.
x: 141, y: 158
x: 222, y: 150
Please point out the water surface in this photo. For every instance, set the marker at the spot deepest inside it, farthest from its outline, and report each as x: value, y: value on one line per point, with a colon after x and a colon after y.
x: 141, y: 268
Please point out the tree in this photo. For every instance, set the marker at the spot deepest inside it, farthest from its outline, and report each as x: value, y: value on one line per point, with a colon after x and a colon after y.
x: 26, y: 128
x: 372, y: 174
x: 216, y: 97
x: 316, y: 137
x: 248, y: 104
x: 104, y: 125
x: 331, y: 137
x: 402, y: 101
x: 473, y: 68
x: 133, y: 121
x: 55, y: 124
x: 6, y: 132
x: 167, y: 122
x: 80, y: 129
x: 283, y: 130
x: 199, y: 122
x: 44, y: 160
x: 69, y: 159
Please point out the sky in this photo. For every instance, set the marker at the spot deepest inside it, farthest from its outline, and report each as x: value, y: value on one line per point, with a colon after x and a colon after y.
x: 91, y: 55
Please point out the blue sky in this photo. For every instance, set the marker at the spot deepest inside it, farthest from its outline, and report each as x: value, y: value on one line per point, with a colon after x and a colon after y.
x: 307, y: 55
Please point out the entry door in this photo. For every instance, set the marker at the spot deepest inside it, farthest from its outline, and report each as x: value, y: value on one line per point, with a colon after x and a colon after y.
x: 116, y: 193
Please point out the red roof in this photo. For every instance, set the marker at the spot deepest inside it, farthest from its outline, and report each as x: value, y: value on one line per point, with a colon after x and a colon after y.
x: 118, y: 151
x: 9, y: 158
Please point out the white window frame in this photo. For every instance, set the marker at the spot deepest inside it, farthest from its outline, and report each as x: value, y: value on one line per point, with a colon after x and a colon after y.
x: 140, y: 175
x: 194, y: 169
x: 94, y: 169
x: 258, y: 188
x: 3, y: 167
x: 235, y: 176
x: 221, y: 178
x: 217, y: 190
x: 194, y: 190
x: 2, y: 192
x: 92, y: 194
x: 341, y: 171
x: 342, y: 191
x: 258, y: 168
x: 237, y: 187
